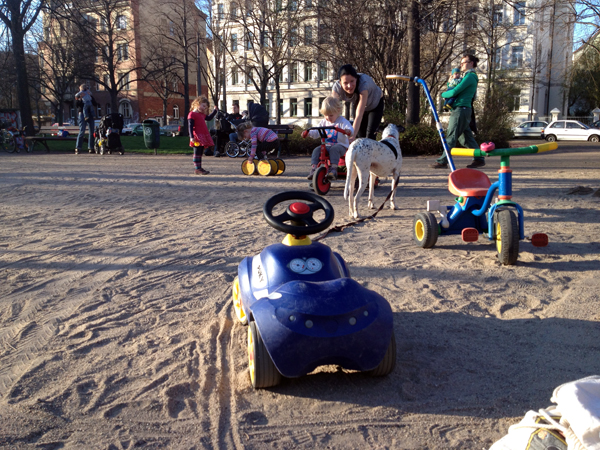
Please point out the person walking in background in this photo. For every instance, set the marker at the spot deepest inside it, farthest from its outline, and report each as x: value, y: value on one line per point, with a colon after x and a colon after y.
x: 199, y: 134
x: 85, y: 119
x: 365, y: 95
x: 459, y: 129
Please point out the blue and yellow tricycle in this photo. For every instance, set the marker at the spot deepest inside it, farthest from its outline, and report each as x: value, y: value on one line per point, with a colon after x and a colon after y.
x: 477, y: 209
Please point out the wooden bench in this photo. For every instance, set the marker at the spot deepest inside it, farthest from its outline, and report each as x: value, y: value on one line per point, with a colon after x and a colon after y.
x: 284, y: 130
x: 49, y: 131
x: 30, y: 141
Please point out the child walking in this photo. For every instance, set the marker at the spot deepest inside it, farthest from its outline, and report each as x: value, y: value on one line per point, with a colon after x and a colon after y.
x: 337, y: 143
x: 263, y: 139
x: 199, y: 134
x: 453, y: 81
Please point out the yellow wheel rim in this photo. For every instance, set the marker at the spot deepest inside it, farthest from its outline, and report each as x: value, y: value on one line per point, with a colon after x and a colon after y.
x: 237, y: 301
x: 248, y: 167
x: 498, y: 238
x: 280, y: 166
x: 251, y: 356
x: 265, y: 167
x: 419, y: 230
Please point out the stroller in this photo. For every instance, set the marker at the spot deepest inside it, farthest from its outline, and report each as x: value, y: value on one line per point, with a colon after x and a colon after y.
x: 108, y: 134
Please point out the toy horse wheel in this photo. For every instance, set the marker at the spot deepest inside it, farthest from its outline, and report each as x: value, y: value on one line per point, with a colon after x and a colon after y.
x: 389, y: 360
x: 263, y: 373
x: 425, y: 230
x: 507, y: 236
x: 237, y: 302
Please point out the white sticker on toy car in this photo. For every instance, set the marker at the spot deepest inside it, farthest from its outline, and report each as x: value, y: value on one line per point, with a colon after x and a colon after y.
x: 259, y: 278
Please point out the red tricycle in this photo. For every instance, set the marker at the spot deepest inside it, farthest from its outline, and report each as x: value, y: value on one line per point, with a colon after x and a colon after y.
x: 320, y: 183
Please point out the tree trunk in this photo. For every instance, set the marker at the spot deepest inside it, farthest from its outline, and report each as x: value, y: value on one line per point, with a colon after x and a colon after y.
x: 18, y: 37
x: 414, y: 64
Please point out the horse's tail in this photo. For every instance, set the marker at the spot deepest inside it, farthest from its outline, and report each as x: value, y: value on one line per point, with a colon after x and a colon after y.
x: 350, y: 156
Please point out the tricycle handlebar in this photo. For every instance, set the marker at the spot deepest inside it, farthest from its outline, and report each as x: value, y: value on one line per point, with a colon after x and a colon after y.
x: 339, y: 130
x: 505, y: 151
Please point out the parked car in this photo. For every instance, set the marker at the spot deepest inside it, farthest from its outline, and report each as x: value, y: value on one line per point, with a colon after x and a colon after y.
x: 128, y: 129
x: 532, y: 128
x: 173, y: 130
x: 595, y: 124
x: 570, y: 130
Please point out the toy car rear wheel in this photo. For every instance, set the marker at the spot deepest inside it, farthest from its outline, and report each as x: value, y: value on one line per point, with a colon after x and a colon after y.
x: 551, y: 138
x: 236, y: 296
x: 388, y: 363
x: 263, y: 373
x: 320, y: 183
x: 507, y: 236
x: 232, y: 150
x: 425, y: 230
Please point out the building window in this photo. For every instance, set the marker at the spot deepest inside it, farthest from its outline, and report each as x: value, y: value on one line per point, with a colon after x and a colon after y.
x: 124, y: 81
x: 233, y: 11
x: 294, y: 73
x: 121, y: 22
x: 171, y: 28
x: 106, y: 82
x: 220, y: 11
x: 323, y: 34
x: 517, y: 57
x: 293, y: 37
x: 293, y: 107
x: 281, y: 107
x: 234, y: 77
x: 264, y: 39
x: 278, y: 37
x: 122, y: 52
x: 309, y: 4
x: 105, y: 53
x: 307, y: 107
x: 517, y: 101
x: 321, y: 100
x: 308, y: 72
x: 249, y: 40
x: 322, y: 70
x: 268, y: 107
x: 234, y: 42
x: 248, y: 103
x: 176, y: 112
x: 293, y: 5
x: 498, y: 58
x: 498, y: 14
x: 125, y: 109
x: 519, y: 17
x: 308, y: 38
x: 249, y: 76
x: 99, y: 110
x: 280, y: 77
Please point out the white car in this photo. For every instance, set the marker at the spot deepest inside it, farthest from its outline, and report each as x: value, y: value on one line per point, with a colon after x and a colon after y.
x: 570, y: 130
x: 128, y: 129
x: 532, y: 128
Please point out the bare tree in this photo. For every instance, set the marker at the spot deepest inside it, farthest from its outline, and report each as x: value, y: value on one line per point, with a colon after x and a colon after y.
x: 19, y: 16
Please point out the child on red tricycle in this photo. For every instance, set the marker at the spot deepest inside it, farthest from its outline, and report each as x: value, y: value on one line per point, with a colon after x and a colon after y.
x: 336, y: 141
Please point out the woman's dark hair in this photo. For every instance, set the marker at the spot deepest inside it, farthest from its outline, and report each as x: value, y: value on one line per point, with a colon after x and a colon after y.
x: 474, y: 59
x: 347, y: 69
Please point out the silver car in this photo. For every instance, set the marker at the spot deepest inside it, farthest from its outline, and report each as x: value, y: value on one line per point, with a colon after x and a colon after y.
x: 570, y: 130
x: 532, y: 128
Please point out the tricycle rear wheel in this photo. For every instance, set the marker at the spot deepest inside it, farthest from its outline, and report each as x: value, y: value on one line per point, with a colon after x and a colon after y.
x: 425, y: 230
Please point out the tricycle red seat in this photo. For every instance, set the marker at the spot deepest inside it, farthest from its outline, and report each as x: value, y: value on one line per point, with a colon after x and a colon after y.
x: 468, y: 183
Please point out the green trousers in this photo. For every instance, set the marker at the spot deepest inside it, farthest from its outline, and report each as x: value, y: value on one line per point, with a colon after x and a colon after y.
x: 459, y: 131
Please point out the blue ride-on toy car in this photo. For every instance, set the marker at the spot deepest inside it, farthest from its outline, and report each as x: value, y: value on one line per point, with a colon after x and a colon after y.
x: 302, y: 307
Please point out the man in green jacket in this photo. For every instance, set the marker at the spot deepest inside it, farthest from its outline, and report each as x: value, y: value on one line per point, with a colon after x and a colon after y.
x: 460, y: 118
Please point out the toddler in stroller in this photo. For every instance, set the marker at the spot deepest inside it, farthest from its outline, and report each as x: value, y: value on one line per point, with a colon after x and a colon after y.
x: 108, y: 134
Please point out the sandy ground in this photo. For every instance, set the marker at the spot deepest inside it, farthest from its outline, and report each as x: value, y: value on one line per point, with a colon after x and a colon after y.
x: 117, y: 329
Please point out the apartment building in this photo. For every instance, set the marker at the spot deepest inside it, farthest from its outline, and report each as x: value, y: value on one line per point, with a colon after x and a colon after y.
x: 532, y: 51
x: 122, y: 42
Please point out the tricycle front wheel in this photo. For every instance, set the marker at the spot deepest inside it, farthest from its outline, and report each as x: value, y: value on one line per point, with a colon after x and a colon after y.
x: 507, y: 236
x: 320, y: 183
